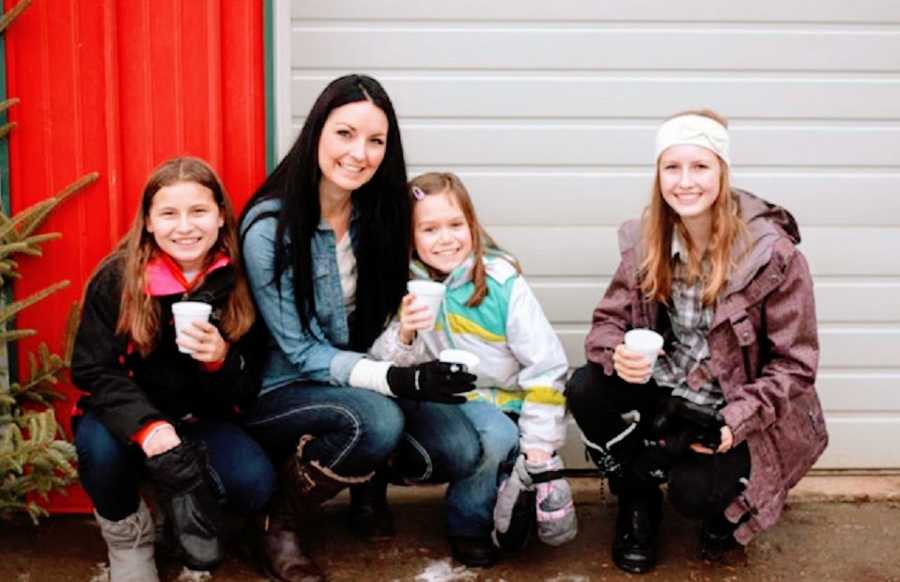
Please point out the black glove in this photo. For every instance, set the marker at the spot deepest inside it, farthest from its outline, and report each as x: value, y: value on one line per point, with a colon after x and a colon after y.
x: 681, y: 422
x: 434, y: 381
x: 189, y: 501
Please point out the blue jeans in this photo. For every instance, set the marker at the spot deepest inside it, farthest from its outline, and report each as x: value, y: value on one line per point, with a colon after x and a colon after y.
x: 111, y: 470
x: 472, y: 445
x: 354, y: 430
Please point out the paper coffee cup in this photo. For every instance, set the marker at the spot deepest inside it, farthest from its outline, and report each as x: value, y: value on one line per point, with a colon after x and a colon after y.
x: 646, y: 342
x: 185, y: 313
x: 469, y: 359
x: 428, y: 293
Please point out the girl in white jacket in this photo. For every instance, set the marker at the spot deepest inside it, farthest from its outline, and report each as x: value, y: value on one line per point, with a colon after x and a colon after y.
x: 518, y: 407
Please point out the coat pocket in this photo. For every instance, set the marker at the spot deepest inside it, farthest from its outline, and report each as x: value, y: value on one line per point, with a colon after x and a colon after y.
x: 745, y: 334
x: 797, y: 438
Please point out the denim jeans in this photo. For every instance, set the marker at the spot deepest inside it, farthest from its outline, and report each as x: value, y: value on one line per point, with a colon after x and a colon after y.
x: 354, y: 430
x: 111, y: 470
x: 472, y: 445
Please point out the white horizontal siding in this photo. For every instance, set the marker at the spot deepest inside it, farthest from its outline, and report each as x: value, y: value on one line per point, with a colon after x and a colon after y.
x: 632, y: 96
x: 761, y: 11
x: 547, y: 111
x: 582, y: 47
x: 568, y: 301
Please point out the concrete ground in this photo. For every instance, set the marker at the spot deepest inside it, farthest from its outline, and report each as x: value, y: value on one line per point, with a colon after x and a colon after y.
x: 836, y: 528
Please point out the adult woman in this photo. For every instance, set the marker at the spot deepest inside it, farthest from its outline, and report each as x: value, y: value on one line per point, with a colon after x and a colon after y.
x: 163, y: 404
x: 717, y: 272
x: 326, y: 242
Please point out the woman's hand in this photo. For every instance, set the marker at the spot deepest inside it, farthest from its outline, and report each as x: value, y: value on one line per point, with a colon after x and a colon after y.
x: 631, y: 366
x: 161, y: 440
x: 204, y: 341
x: 413, y: 318
x: 726, y: 441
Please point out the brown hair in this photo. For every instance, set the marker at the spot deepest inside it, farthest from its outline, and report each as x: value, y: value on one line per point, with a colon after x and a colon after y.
x: 138, y: 313
x: 436, y: 183
x: 659, y: 222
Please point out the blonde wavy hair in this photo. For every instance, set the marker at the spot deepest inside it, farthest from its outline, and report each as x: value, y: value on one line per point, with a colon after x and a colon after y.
x: 659, y: 222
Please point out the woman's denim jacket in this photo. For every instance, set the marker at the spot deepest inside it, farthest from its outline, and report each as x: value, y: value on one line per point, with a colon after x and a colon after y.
x: 318, y: 356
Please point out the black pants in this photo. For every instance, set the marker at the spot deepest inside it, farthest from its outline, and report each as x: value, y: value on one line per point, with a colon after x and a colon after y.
x: 700, y: 486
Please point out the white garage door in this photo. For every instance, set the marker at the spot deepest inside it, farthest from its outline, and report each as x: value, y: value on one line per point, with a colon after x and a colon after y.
x: 547, y: 111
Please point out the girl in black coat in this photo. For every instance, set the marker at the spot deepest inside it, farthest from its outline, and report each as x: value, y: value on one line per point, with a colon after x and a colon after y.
x: 161, y: 405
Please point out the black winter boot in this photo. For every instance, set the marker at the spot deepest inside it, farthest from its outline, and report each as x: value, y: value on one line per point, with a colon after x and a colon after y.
x: 190, y: 502
x: 716, y: 538
x: 370, y: 515
x: 635, y: 543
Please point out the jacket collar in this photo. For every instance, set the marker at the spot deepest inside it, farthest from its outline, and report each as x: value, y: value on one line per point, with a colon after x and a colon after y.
x: 164, y: 277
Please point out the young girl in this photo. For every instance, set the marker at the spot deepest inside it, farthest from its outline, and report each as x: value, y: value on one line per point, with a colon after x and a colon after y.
x: 730, y: 414
x: 152, y: 410
x: 490, y: 311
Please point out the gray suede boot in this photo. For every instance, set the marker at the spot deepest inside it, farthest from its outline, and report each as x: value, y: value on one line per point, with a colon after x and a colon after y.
x: 130, y: 546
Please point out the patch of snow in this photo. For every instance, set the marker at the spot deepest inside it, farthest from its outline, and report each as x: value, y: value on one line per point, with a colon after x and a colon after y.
x: 188, y: 575
x: 100, y: 573
x: 443, y: 571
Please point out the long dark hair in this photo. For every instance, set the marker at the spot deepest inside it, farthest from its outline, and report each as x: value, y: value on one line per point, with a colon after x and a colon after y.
x: 381, y: 243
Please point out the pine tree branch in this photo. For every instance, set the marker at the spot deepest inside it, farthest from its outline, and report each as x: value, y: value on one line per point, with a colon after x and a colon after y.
x: 70, y: 333
x: 6, y: 128
x: 7, y: 103
x: 15, y: 334
x: 9, y: 311
x: 12, y: 14
x: 41, y: 214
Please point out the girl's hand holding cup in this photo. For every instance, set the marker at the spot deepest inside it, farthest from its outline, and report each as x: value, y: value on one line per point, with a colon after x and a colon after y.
x: 203, y: 342
x: 414, y: 317
x: 421, y: 306
x: 634, y: 359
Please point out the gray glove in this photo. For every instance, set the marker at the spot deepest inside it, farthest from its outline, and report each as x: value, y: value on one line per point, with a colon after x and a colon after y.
x: 556, y: 519
x: 514, y: 512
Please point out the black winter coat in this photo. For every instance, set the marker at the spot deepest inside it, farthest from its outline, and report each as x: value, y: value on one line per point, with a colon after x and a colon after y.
x: 127, y: 391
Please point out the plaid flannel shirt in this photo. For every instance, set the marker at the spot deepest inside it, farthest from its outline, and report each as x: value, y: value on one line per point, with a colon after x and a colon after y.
x: 687, y: 348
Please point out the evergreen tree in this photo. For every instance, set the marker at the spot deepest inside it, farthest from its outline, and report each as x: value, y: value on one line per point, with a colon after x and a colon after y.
x: 35, y: 458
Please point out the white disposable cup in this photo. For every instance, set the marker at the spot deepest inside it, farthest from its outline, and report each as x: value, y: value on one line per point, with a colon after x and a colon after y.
x: 187, y: 312
x: 468, y: 359
x: 645, y: 342
x: 428, y: 293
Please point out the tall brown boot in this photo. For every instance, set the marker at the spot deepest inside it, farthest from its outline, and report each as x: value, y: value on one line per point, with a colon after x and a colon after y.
x: 303, y: 485
x: 281, y: 550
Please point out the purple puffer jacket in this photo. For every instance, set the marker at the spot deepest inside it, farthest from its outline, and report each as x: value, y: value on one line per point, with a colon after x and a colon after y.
x: 764, y: 351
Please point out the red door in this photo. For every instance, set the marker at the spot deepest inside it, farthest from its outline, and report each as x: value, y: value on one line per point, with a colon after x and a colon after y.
x: 117, y: 87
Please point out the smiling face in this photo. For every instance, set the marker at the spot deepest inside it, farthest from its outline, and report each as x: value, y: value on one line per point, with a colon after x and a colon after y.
x: 184, y: 220
x: 352, y: 145
x: 441, y: 233
x: 689, y: 179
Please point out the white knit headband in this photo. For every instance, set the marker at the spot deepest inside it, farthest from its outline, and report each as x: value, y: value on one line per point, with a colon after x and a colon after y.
x: 693, y: 130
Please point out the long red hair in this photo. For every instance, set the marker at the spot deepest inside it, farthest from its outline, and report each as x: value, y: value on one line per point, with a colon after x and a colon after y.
x: 659, y: 222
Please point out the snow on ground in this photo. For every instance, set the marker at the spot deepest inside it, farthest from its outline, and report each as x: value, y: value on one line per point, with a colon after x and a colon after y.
x: 443, y: 571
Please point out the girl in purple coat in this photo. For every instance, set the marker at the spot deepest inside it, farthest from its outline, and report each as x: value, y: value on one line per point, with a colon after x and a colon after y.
x: 728, y: 415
